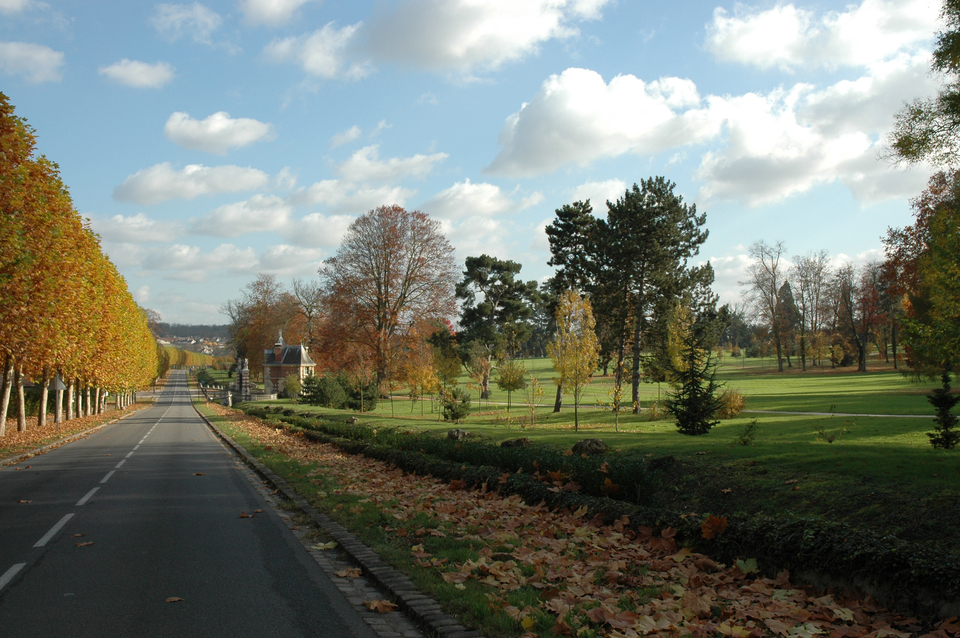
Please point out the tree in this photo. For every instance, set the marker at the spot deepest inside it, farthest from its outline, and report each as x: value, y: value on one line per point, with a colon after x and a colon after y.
x: 642, y: 249
x: 494, y: 308
x: 928, y: 130
x: 809, y: 277
x: 309, y: 296
x: 766, y: 277
x: 393, y: 268
x: 695, y: 401
x: 511, y: 375
x: 258, y: 317
x: 945, y: 434
x: 574, y: 350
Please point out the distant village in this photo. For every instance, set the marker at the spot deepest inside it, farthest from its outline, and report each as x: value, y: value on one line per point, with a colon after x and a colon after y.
x: 212, y: 340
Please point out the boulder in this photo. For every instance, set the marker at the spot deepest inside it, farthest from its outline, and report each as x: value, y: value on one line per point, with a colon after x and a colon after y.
x: 591, y: 447
x: 516, y: 442
x: 457, y: 434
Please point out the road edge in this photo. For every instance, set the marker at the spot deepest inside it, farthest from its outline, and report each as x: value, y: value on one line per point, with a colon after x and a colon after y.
x: 23, y: 456
x: 422, y: 609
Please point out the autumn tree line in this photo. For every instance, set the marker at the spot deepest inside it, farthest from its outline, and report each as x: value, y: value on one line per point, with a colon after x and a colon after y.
x: 65, y: 312
x: 393, y: 309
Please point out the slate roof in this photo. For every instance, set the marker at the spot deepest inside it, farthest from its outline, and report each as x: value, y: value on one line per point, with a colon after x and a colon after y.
x: 289, y: 355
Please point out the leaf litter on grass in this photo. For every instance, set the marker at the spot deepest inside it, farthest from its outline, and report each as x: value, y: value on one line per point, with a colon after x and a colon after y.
x: 587, y: 576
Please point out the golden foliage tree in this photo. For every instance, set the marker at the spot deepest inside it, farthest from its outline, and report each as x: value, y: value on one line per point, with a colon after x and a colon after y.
x: 575, y: 349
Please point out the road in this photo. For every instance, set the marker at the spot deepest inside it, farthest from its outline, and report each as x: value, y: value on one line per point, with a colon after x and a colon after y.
x: 97, y: 535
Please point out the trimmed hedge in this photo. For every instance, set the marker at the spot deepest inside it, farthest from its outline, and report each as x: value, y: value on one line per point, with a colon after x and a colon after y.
x: 909, y: 576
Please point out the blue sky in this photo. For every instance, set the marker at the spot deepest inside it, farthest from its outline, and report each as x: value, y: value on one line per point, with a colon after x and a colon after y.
x: 208, y: 142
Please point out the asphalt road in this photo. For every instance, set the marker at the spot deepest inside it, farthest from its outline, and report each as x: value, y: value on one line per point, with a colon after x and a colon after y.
x: 157, y: 499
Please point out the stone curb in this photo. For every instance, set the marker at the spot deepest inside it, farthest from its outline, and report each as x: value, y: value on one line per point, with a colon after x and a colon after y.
x: 23, y: 456
x: 422, y: 609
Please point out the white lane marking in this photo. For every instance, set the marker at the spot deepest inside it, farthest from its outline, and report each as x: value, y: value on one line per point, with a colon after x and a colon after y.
x: 121, y: 463
x: 86, y: 498
x: 53, y: 530
x: 129, y: 454
x: 142, y: 440
x: 135, y: 447
x: 10, y: 573
x: 107, y: 477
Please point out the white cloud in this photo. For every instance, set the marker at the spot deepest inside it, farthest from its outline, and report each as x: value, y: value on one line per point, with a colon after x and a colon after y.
x: 365, y: 165
x: 345, y: 137
x: 599, y: 193
x: 135, y: 229
x: 788, y: 141
x: 321, y: 53
x: 291, y: 261
x: 181, y: 262
x: 34, y: 62
x: 15, y: 6
x: 286, y: 179
x: 577, y: 117
x: 217, y: 133
x: 161, y: 182
x: 468, y: 200
x: 270, y: 12
x: 316, y: 230
x: 464, y: 35
x: 344, y: 196
x: 138, y: 74
x: 258, y: 214
x: 789, y: 37
x: 195, y: 21
x: 143, y: 295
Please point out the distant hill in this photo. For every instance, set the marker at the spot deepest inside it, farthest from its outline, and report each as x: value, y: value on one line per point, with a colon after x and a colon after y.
x: 197, y: 331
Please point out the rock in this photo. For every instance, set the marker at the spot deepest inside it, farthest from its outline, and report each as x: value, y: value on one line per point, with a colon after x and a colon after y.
x: 457, y: 434
x: 516, y: 442
x: 590, y: 447
x: 352, y: 419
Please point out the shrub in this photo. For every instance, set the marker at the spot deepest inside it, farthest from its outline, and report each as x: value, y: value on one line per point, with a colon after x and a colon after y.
x: 747, y: 433
x: 360, y: 397
x: 732, y: 403
x: 455, y: 405
x: 324, y: 391
x: 291, y: 386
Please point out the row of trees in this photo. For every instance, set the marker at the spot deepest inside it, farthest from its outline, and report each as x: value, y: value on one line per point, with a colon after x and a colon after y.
x: 813, y: 312
x: 64, y: 309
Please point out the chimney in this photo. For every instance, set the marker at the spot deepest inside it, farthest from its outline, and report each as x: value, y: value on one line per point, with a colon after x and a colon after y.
x: 278, y: 348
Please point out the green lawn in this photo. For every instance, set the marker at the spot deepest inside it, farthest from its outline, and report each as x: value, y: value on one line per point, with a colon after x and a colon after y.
x: 879, y: 472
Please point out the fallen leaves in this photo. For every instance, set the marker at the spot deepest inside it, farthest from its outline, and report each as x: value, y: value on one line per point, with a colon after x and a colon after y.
x: 350, y: 572
x: 381, y: 606
x: 325, y: 546
x: 174, y: 599
x: 593, y: 578
x: 23, y: 502
x: 713, y: 526
x: 84, y: 544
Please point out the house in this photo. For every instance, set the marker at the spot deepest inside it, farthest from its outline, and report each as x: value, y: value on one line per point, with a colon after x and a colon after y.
x: 282, y: 361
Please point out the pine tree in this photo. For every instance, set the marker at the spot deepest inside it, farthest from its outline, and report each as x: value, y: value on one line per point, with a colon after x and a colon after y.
x: 945, y: 434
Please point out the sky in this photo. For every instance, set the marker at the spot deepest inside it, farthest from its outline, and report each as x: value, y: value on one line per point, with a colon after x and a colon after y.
x: 208, y: 142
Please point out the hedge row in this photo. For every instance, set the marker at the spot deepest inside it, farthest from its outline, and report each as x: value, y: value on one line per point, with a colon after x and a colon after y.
x: 908, y: 576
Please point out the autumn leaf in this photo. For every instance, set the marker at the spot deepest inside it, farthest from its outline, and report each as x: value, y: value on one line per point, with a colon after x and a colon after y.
x: 21, y: 501
x: 609, y: 487
x: 682, y: 555
x: 174, y: 599
x: 77, y: 535
x: 199, y: 474
x: 457, y: 485
x: 245, y: 515
x: 381, y: 606
x: 258, y: 511
x: 325, y: 546
x: 350, y: 572
x: 698, y: 604
x: 713, y: 526
x: 733, y: 630
x: 84, y: 544
x: 356, y: 509
x: 527, y: 623
x: 747, y: 566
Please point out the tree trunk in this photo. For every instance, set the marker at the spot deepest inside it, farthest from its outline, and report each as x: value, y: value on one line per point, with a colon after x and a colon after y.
x: 44, y: 396
x: 559, y: 400
x: 635, y: 377
x: 893, y: 339
x: 86, y: 399
x: 70, y: 399
x: 7, y: 386
x: 21, y: 399
x: 803, y: 350
x: 79, y: 399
